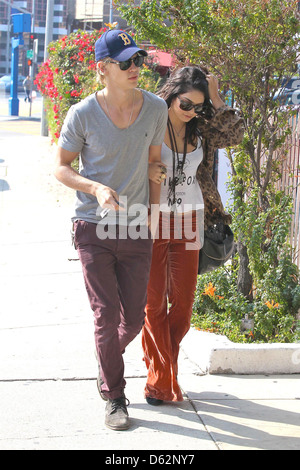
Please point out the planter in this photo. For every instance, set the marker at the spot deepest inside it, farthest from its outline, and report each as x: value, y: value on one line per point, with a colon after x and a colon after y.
x: 215, y: 354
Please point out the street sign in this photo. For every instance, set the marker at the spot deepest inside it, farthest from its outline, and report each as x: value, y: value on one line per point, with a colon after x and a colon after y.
x: 21, y: 23
x: 35, y: 49
x: 29, y: 54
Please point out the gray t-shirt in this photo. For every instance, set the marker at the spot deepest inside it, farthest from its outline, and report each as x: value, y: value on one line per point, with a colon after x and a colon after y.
x: 117, y: 158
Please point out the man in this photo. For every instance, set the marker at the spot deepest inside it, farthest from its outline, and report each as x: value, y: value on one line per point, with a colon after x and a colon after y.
x: 117, y: 131
x: 27, y: 88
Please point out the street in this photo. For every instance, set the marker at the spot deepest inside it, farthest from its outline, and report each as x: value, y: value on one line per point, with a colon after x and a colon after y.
x: 24, y: 108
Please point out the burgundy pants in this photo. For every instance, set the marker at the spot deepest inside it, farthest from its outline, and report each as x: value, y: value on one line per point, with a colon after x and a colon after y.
x: 171, y: 291
x: 116, y: 273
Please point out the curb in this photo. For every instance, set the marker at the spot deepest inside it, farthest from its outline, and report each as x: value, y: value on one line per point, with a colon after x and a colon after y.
x: 20, y: 118
x: 215, y: 354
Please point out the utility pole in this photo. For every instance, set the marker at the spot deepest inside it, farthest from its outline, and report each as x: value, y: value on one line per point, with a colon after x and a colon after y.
x: 32, y: 68
x: 111, y: 12
x: 21, y: 24
x: 10, y: 5
x: 8, y: 41
x: 48, y: 39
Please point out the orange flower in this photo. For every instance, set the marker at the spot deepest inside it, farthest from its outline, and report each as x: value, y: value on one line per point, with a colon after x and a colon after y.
x: 209, y: 290
x: 272, y: 304
x: 111, y: 25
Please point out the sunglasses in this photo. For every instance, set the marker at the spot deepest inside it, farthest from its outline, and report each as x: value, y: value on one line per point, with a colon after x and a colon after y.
x: 126, y: 64
x: 188, y: 106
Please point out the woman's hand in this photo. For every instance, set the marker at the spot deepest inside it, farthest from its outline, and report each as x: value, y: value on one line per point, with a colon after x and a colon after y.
x: 157, y: 172
x: 213, y: 89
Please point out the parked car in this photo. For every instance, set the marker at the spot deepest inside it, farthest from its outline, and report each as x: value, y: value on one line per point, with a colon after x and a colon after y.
x: 5, y: 83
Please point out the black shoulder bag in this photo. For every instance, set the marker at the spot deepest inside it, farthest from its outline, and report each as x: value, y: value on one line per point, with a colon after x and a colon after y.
x: 217, y: 248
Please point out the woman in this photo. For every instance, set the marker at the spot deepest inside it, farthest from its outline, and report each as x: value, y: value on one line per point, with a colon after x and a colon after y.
x: 198, y: 124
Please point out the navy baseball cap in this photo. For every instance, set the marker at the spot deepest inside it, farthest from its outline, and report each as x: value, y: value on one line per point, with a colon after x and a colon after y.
x: 117, y: 45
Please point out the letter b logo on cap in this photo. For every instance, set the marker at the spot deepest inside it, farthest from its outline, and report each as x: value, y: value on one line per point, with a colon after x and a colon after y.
x: 125, y: 38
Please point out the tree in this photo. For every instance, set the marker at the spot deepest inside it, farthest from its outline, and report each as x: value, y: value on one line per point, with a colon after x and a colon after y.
x: 253, y: 47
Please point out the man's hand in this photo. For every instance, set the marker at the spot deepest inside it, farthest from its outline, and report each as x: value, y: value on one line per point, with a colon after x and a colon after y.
x: 107, y: 198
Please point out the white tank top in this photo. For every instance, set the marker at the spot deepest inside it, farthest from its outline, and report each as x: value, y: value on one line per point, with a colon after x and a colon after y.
x: 188, y: 194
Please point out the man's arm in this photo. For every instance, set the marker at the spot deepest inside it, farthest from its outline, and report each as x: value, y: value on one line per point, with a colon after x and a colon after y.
x: 67, y: 175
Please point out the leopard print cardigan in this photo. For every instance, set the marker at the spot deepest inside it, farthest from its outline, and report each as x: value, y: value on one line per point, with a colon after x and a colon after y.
x: 225, y: 129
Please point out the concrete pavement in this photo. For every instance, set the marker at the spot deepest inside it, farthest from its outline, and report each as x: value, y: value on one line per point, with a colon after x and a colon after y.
x: 49, y: 398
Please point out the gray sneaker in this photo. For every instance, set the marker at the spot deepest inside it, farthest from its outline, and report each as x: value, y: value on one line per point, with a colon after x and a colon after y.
x: 116, y: 414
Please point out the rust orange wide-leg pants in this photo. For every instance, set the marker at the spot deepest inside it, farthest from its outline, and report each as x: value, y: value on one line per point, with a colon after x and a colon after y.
x: 170, y: 297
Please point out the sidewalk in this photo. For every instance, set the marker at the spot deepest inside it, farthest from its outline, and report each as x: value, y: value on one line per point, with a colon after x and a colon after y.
x: 49, y: 398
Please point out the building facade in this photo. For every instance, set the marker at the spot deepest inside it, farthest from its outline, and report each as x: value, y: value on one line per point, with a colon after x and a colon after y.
x: 68, y: 16
x: 63, y: 14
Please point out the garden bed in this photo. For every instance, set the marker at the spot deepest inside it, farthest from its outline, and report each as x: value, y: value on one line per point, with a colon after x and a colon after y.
x: 220, y: 309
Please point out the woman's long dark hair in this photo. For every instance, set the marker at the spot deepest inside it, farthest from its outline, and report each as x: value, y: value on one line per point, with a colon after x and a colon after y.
x: 182, y: 81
